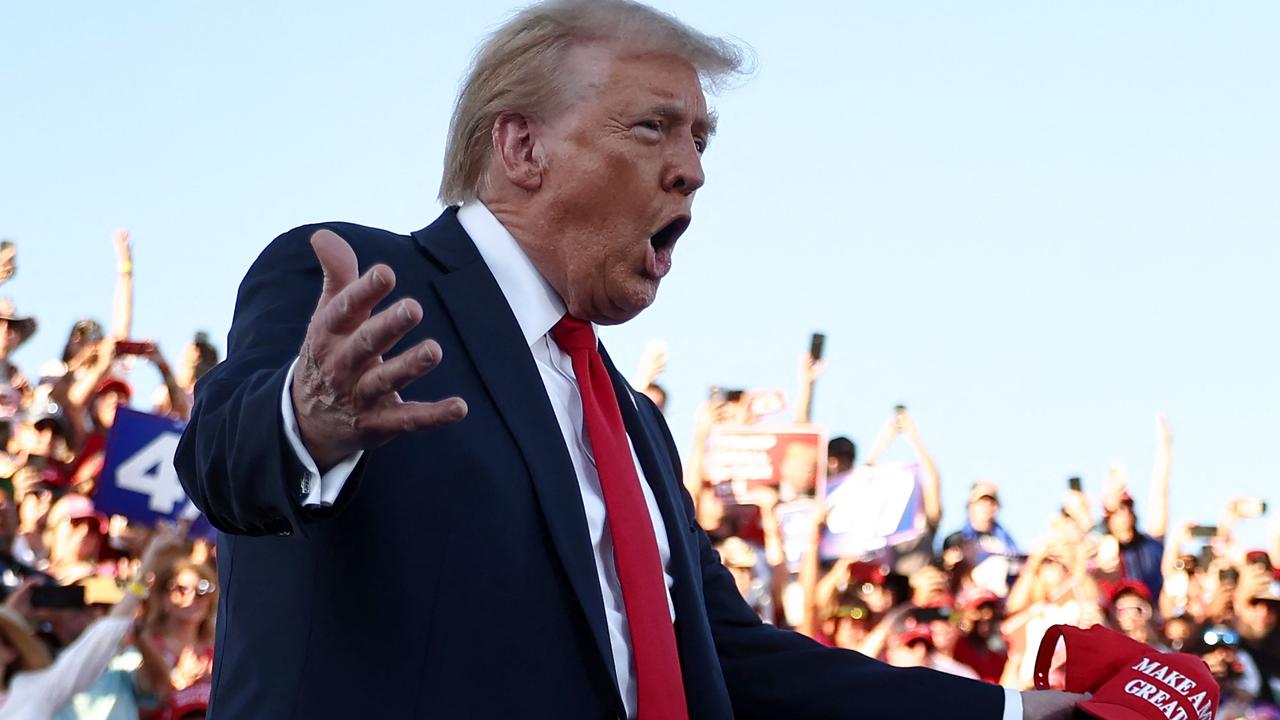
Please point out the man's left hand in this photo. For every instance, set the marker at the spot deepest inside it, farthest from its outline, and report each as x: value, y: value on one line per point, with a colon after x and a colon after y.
x: 1048, y: 704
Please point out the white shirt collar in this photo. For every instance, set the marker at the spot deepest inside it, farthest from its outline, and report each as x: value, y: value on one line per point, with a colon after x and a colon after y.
x: 533, y: 301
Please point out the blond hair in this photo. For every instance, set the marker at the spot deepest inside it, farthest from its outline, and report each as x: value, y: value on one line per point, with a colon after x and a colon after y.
x: 520, y: 69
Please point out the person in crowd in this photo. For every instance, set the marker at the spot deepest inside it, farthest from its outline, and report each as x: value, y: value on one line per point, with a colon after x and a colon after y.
x: 845, y: 622
x: 1257, y: 621
x: 983, y: 528
x: 15, y: 389
x: 40, y: 692
x: 74, y: 533
x: 1139, y: 554
x: 177, y: 395
x: 1183, y: 588
x: 1233, y: 669
x: 110, y: 395
x: 1054, y: 588
x: 191, y: 703
x: 981, y: 645
x: 8, y: 260
x: 653, y: 362
x: 842, y: 454
x: 751, y: 573
x: 914, y: 646
x: 1179, y: 631
x: 1129, y: 610
x: 179, y: 625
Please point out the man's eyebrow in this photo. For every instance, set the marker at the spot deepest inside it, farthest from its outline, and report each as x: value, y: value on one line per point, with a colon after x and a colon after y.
x: 705, y: 124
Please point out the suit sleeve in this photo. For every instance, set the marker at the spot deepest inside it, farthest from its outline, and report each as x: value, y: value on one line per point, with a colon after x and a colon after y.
x: 774, y: 673
x: 234, y: 460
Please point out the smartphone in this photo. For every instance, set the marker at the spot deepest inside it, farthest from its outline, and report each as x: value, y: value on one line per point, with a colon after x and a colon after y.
x: 1204, y: 531
x: 733, y: 396
x: 1074, y: 484
x: 1248, y: 509
x: 57, y: 597
x: 926, y: 615
x: 816, y: 344
x: 135, y: 347
x: 1228, y: 576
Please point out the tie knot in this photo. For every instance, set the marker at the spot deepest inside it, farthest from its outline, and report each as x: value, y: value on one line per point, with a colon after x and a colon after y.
x: 570, y: 334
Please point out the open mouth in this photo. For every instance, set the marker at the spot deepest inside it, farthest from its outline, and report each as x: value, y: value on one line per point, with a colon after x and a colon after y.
x: 665, y: 239
x: 661, y: 243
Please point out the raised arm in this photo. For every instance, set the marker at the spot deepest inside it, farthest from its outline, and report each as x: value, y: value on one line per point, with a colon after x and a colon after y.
x: 234, y: 458
x: 122, y: 306
x: 931, y: 488
x: 176, y: 400
x: 1158, y: 524
x: 810, y: 371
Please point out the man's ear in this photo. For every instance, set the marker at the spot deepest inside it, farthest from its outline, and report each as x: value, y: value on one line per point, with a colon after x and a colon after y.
x: 514, y: 147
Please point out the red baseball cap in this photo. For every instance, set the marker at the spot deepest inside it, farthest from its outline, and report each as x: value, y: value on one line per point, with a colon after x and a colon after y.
x: 1114, y: 591
x: 912, y: 634
x: 1129, y: 680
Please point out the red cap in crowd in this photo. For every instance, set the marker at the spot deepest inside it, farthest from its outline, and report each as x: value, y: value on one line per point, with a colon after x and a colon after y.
x: 912, y: 634
x: 1129, y: 680
x: 114, y: 385
x: 866, y: 572
x: 1115, y: 590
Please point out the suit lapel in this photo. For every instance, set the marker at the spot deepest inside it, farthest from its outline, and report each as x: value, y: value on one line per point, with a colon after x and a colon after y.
x: 498, y: 350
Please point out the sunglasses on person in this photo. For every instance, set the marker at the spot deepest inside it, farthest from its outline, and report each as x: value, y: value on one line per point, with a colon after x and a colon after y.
x: 1220, y: 638
x: 200, y: 589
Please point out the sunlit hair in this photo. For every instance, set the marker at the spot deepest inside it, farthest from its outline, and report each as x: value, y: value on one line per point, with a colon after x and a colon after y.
x: 156, y: 614
x: 520, y: 68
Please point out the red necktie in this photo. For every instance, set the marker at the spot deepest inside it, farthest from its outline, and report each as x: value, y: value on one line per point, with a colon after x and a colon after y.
x: 659, y: 686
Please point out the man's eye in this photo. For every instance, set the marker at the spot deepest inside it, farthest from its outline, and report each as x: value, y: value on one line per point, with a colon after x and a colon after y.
x: 700, y: 145
x: 651, y: 125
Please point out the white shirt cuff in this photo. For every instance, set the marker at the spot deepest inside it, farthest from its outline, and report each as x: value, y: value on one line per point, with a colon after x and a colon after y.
x: 316, y: 490
x: 1012, y: 705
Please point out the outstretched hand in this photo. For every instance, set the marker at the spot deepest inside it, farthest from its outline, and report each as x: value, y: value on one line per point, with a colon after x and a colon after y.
x: 345, y: 394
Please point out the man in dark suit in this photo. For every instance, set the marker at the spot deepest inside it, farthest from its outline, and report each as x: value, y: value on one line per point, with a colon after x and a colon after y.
x: 522, y: 547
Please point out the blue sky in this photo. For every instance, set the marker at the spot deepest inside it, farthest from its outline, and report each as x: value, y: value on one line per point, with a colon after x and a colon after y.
x: 1036, y: 224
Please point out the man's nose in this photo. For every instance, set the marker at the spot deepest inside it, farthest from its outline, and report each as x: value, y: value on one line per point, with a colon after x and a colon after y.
x: 684, y: 172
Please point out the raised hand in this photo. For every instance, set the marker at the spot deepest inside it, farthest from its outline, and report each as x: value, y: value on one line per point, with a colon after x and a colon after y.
x: 345, y: 395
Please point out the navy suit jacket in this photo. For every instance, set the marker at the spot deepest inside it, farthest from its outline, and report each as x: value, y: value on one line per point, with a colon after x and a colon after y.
x: 454, y: 576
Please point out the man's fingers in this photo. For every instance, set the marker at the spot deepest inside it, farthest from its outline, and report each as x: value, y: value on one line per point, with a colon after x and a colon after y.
x: 396, y: 373
x: 352, y: 305
x: 337, y: 260
x: 372, y: 338
x: 397, y: 418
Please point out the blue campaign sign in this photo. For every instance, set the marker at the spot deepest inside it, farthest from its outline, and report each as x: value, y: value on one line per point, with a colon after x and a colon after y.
x: 138, y: 480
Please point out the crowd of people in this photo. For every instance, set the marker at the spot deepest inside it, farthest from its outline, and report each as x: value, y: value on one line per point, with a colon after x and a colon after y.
x: 976, y: 602
x: 102, y: 618
x: 109, y: 619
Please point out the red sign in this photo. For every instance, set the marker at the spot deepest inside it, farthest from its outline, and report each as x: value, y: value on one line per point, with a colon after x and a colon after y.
x: 792, y: 459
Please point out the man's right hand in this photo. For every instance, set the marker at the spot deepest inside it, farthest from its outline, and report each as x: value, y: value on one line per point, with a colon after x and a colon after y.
x: 345, y: 396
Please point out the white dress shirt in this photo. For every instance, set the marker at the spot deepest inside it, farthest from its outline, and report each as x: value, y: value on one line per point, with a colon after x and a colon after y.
x: 537, y: 308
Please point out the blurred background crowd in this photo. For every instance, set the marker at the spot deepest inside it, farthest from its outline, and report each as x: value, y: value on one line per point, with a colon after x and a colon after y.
x: 107, y: 618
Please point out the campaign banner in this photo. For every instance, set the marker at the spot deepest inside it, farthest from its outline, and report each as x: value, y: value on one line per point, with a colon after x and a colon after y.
x: 795, y: 526
x: 138, y: 479
x: 791, y: 459
x: 873, y: 508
